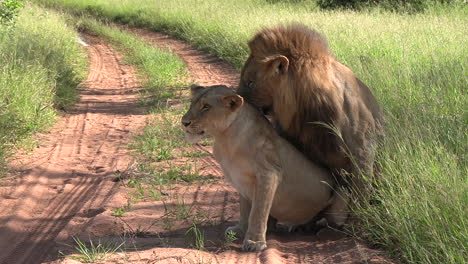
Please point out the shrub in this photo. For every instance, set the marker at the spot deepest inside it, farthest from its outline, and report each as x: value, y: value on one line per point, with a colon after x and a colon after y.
x: 396, y: 5
x: 8, y: 10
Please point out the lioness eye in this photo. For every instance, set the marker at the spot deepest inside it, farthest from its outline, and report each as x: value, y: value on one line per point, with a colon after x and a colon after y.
x: 250, y: 84
x: 205, y: 107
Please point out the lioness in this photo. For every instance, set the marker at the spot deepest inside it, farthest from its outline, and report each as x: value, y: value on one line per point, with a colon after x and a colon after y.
x: 271, y: 176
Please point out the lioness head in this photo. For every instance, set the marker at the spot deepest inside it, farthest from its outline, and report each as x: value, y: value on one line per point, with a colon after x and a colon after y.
x: 212, y: 110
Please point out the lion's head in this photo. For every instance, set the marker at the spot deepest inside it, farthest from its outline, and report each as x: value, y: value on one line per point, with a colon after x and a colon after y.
x: 284, y: 64
x: 212, y: 110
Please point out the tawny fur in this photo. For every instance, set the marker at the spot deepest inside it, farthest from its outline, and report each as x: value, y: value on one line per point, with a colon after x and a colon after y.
x: 271, y: 176
x: 313, y: 98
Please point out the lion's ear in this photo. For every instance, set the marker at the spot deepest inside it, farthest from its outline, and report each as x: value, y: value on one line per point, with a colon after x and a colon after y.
x: 233, y: 102
x: 279, y: 64
x: 195, y: 89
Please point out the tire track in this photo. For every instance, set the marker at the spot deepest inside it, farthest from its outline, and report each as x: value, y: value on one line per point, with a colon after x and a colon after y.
x: 71, y: 172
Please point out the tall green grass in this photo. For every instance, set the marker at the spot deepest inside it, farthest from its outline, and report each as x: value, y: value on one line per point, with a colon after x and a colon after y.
x: 408, y: 6
x: 416, y: 66
x: 40, y: 66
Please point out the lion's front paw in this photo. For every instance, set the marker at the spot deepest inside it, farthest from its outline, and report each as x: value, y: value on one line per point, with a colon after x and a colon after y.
x: 250, y: 245
x: 238, y: 229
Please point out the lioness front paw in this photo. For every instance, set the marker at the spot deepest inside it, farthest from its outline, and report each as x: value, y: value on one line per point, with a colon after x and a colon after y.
x: 238, y: 229
x: 250, y: 245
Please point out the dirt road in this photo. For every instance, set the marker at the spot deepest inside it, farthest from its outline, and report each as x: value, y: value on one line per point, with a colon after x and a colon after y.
x: 68, y: 179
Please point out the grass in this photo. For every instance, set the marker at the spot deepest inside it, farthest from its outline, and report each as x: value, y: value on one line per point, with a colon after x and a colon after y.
x: 229, y: 238
x: 159, y: 141
x: 41, y: 66
x: 195, y: 237
x: 416, y: 66
x: 91, y: 252
x: 120, y: 211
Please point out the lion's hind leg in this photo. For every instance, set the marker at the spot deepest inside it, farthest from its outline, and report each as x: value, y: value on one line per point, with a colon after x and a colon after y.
x: 338, y: 211
x: 334, y: 216
x: 313, y: 226
x: 272, y: 224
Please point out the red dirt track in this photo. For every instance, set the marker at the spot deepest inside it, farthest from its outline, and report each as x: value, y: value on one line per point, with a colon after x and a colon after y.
x: 66, y: 188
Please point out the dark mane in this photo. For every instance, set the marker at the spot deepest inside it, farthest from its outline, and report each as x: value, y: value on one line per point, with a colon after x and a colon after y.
x: 293, y: 41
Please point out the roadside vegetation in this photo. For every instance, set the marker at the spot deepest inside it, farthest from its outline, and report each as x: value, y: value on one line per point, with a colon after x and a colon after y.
x: 416, y: 65
x: 407, y: 6
x: 41, y: 65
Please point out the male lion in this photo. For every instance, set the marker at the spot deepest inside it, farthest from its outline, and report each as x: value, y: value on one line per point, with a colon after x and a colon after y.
x: 272, y: 177
x: 317, y: 103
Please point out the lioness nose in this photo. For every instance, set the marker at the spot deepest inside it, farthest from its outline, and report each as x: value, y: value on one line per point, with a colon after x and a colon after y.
x: 186, y: 123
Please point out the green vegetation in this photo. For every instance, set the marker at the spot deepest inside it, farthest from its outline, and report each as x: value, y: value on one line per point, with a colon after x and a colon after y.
x: 416, y: 66
x: 41, y: 65
x: 229, y: 238
x: 195, y: 237
x: 91, y: 252
x: 395, y: 5
x: 119, y: 211
x: 9, y: 10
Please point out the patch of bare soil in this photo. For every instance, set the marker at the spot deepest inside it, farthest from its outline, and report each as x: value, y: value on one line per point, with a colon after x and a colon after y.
x: 68, y: 179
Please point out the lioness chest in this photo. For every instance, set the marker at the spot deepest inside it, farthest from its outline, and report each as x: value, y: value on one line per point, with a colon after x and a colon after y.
x: 238, y: 171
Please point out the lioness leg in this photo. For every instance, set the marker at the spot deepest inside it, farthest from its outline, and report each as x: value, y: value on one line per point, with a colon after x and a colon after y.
x: 241, y: 227
x: 265, y: 188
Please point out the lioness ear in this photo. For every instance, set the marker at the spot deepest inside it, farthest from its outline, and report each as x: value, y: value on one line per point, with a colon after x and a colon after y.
x: 195, y: 88
x: 279, y: 64
x: 233, y: 102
